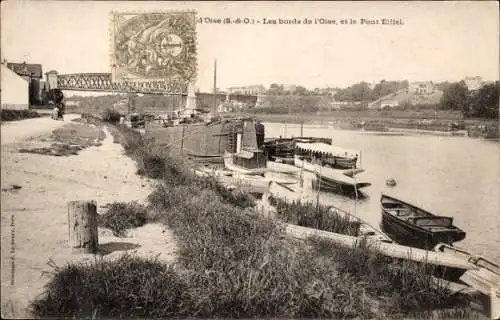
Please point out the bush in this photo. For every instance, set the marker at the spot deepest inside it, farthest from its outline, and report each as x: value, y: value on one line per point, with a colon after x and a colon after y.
x: 13, y: 115
x: 126, y: 288
x: 408, y: 285
x: 122, y: 216
x: 110, y: 115
x: 316, y: 216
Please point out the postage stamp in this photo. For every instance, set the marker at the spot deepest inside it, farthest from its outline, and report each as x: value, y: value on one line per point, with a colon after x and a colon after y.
x: 154, y: 46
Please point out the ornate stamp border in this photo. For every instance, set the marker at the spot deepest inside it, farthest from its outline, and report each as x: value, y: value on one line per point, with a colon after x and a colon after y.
x: 154, y: 46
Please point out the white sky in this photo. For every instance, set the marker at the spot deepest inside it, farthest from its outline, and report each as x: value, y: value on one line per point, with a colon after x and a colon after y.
x: 438, y: 41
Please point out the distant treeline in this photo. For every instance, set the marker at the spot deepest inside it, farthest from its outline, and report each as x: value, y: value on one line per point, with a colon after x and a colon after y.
x: 362, y: 92
x: 358, y: 92
x: 482, y: 103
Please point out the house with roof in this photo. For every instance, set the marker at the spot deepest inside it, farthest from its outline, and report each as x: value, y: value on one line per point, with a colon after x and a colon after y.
x: 422, y: 87
x: 473, y: 83
x: 14, y: 92
x: 33, y: 74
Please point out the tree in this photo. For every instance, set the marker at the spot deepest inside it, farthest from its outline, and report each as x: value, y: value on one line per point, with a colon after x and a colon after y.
x: 455, y: 97
x: 299, y: 90
x: 484, y: 102
x: 275, y: 89
x: 387, y: 87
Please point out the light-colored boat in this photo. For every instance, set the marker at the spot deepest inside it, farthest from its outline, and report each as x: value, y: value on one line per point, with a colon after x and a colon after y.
x: 300, y: 162
x: 283, y: 168
x: 282, y: 178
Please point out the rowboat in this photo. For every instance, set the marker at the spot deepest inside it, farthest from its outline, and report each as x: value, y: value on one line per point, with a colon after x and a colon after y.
x: 339, y: 183
x: 412, y: 226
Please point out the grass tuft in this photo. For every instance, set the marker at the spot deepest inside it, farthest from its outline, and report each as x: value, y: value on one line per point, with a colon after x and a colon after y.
x: 118, y: 289
x: 315, y: 216
x: 121, y: 216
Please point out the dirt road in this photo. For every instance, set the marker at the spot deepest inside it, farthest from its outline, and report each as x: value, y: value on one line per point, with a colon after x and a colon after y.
x: 35, y: 190
x: 17, y: 131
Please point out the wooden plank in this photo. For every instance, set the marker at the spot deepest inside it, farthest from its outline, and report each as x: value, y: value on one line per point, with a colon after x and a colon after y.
x: 482, y: 279
x: 389, y: 249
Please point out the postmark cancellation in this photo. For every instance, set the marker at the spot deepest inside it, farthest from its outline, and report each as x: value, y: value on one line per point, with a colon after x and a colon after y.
x: 154, y: 46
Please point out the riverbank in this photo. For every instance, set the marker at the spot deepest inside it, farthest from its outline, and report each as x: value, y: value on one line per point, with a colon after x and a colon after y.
x: 36, y: 185
x: 233, y: 262
x: 377, y: 120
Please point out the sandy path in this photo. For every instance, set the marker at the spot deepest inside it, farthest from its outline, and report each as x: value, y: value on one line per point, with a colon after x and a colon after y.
x: 17, y: 131
x: 34, y: 217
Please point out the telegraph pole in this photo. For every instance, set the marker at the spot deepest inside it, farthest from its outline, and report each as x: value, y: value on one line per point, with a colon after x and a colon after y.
x: 215, y: 87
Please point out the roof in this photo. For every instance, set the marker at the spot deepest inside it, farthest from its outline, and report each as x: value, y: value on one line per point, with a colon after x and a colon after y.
x: 327, y: 149
x: 26, y: 69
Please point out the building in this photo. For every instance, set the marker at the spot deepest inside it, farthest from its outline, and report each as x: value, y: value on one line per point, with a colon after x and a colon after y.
x: 33, y: 74
x: 388, y: 103
x: 249, y: 90
x: 426, y: 87
x: 14, y: 92
x: 289, y: 88
x: 473, y: 83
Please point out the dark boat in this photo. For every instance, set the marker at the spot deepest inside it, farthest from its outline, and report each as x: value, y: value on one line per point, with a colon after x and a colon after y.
x: 283, y: 149
x: 412, y: 226
x: 341, y: 184
x: 204, y: 158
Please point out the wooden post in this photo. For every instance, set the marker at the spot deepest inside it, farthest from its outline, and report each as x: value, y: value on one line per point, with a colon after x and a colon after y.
x: 82, y: 225
x: 182, y: 140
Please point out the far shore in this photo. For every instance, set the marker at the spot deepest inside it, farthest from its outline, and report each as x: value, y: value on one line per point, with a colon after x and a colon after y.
x: 423, y: 122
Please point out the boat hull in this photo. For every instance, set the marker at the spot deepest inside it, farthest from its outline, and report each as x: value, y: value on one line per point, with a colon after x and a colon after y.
x: 409, y: 234
x: 325, y: 171
x: 230, y: 165
x: 348, y: 189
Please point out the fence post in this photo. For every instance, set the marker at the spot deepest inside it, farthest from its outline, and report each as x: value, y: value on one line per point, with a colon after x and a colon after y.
x: 82, y: 226
x: 182, y: 141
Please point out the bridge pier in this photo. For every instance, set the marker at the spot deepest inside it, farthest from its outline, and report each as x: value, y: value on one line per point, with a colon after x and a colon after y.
x: 191, y: 97
x: 51, y: 79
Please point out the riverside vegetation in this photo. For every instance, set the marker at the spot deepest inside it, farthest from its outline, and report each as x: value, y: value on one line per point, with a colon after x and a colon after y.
x: 14, y: 115
x: 234, y: 262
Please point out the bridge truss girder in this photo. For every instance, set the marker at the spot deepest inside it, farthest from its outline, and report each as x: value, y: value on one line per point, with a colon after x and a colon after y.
x: 101, y: 82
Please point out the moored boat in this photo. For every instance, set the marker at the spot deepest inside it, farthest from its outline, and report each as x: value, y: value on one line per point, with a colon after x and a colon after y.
x: 246, y: 162
x: 283, y: 149
x: 283, y: 168
x: 409, y: 225
x: 330, y: 160
x: 327, y: 155
x: 339, y: 183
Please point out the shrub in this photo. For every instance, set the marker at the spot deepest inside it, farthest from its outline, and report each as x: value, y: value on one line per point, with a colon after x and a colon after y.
x: 110, y: 115
x: 316, y: 216
x: 408, y: 285
x: 127, y: 288
x: 13, y: 115
x: 122, y: 216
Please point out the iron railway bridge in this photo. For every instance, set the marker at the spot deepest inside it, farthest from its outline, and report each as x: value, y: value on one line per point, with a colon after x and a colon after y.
x: 101, y: 82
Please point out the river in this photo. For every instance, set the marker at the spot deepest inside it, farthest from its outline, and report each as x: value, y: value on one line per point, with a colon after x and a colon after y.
x: 450, y: 176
